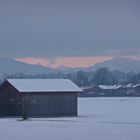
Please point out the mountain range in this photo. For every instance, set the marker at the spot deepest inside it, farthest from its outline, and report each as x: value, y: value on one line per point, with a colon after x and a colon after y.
x: 121, y: 64
x: 12, y: 66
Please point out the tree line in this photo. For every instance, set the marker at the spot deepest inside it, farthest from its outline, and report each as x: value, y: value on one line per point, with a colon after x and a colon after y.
x: 102, y: 76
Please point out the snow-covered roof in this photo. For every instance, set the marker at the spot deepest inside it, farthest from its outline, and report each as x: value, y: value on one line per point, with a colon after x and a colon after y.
x: 137, y: 85
x: 87, y: 87
x: 109, y: 86
x: 128, y: 86
x: 44, y: 85
x: 131, y: 85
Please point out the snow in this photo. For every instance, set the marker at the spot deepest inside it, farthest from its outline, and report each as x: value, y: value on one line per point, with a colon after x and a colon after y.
x: 137, y: 85
x: 132, y: 86
x: 128, y: 86
x: 87, y: 87
x: 44, y: 85
x: 109, y: 86
x: 99, y: 119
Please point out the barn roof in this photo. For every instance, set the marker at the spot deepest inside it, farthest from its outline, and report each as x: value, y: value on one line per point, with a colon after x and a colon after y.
x: 44, y: 85
x: 110, y: 87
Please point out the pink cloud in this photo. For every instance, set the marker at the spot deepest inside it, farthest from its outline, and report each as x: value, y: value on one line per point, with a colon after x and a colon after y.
x: 65, y: 61
x: 34, y: 60
x: 81, y: 61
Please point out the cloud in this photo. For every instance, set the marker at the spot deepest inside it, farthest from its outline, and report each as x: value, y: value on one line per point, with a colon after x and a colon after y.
x: 65, y: 61
x: 76, y: 28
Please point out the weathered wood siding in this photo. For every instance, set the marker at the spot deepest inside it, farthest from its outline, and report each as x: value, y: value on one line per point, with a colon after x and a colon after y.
x: 39, y: 104
x: 9, y: 101
x: 51, y: 104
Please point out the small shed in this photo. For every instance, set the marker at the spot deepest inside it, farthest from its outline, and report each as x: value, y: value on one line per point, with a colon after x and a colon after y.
x: 42, y: 97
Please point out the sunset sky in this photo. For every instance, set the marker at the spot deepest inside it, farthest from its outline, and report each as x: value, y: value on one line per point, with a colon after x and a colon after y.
x: 73, y: 33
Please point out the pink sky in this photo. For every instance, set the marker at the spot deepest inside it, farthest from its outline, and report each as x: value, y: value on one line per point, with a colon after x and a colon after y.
x: 65, y: 61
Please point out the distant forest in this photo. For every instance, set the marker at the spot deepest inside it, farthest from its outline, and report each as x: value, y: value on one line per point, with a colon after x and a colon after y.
x: 102, y: 76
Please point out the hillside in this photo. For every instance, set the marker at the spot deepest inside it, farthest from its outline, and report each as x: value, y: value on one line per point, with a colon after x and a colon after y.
x: 11, y: 66
x: 122, y: 64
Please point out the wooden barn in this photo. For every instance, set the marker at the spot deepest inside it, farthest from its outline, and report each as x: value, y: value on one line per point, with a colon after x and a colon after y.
x: 41, y: 97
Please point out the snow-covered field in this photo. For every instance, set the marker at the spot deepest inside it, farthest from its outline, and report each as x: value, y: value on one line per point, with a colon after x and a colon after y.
x: 99, y: 119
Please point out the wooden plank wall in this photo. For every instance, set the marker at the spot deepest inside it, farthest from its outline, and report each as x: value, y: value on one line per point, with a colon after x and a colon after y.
x: 9, y: 97
x: 51, y: 104
x: 40, y: 104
